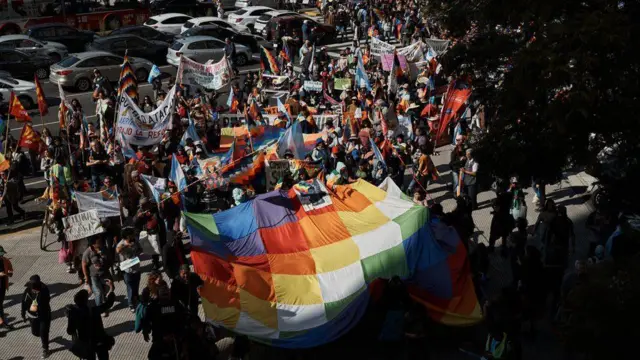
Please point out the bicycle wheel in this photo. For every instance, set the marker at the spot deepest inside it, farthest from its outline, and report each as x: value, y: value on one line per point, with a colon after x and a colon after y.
x: 44, y: 231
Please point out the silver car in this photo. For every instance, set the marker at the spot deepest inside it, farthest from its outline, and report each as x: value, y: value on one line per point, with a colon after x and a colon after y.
x: 76, y: 71
x: 31, y: 46
x: 24, y: 90
x: 203, y: 49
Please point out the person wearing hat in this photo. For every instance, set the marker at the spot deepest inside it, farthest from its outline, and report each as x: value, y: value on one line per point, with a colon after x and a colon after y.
x: 185, y: 289
x: 319, y: 153
x: 36, y: 309
x: 6, y: 271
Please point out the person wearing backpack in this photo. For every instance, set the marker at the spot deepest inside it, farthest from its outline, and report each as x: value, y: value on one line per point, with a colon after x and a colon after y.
x: 84, y: 324
x: 37, y: 310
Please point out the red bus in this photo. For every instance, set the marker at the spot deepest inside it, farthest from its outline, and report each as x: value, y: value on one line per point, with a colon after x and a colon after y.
x: 98, y: 16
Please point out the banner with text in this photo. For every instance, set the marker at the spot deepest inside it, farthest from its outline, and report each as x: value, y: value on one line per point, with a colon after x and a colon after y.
x: 82, y: 225
x: 439, y: 46
x: 413, y: 52
x: 104, y: 202
x: 211, y: 76
x: 140, y: 128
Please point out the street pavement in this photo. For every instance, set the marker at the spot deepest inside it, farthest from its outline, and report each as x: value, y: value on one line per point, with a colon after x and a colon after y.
x: 23, y: 250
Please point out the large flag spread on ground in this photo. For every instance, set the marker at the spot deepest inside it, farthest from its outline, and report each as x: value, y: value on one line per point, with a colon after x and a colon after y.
x: 454, y: 105
x: 42, y: 102
x: 361, y: 74
x: 177, y: 175
x: 128, y: 82
x: 154, y: 73
x: 17, y: 110
x: 300, y: 278
x: 29, y: 138
x: 293, y: 140
x: 268, y: 61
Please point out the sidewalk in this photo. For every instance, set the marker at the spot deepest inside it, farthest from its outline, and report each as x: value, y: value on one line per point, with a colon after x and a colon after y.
x: 23, y: 250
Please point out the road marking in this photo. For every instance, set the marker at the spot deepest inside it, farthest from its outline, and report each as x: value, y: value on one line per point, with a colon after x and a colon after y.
x: 35, y: 182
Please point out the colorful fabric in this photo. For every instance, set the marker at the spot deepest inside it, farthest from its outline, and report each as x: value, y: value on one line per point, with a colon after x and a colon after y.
x: 128, y: 81
x: 42, y: 102
x: 17, y: 110
x: 29, y: 138
x: 268, y: 61
x: 292, y: 268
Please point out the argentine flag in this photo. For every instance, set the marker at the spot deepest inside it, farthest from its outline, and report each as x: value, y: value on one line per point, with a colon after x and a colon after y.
x: 376, y: 152
x: 361, y: 74
x: 177, y: 175
x: 153, y: 73
x: 284, y: 110
x: 293, y: 140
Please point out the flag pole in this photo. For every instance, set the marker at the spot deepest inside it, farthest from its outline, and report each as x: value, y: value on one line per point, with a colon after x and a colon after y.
x: 6, y: 135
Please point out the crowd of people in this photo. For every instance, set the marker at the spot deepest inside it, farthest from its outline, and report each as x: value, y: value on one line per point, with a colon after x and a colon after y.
x: 388, y: 128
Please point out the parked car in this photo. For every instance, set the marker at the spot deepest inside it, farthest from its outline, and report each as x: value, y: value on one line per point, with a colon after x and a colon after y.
x: 284, y: 26
x: 212, y: 20
x: 76, y: 70
x: 22, y: 65
x: 190, y: 7
x: 72, y: 38
x: 241, y: 4
x: 253, y: 42
x: 203, y: 49
x: 260, y: 26
x: 247, y: 16
x: 170, y: 23
x: 145, y: 32
x: 31, y: 46
x: 24, y: 90
x: 132, y: 45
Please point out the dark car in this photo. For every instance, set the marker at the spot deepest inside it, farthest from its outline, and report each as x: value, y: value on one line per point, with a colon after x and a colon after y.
x: 22, y: 66
x: 145, y: 32
x: 153, y: 50
x: 188, y: 7
x: 285, y: 25
x: 253, y: 42
x: 74, y: 39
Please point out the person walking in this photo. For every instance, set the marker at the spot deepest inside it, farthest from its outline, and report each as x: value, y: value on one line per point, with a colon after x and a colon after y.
x: 36, y: 309
x: 6, y: 271
x: 185, y: 289
x: 95, y: 266
x: 89, y: 340
x: 230, y: 54
x: 470, y: 179
x: 164, y: 321
x: 129, y: 249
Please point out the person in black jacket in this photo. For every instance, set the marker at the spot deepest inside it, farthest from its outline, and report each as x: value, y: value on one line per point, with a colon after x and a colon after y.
x: 173, y: 254
x: 164, y: 320
x: 185, y: 289
x: 36, y: 308
x: 86, y: 328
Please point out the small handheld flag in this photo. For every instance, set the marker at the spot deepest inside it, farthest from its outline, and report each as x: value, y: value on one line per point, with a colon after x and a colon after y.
x: 128, y: 81
x: 17, y: 110
x: 42, y: 103
x: 154, y: 73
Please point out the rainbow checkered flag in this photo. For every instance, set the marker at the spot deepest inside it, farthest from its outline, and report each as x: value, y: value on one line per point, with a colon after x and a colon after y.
x: 128, y: 82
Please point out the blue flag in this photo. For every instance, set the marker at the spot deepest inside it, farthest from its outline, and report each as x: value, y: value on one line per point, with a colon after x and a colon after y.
x: 155, y: 185
x: 284, y: 110
x: 376, y: 152
x: 177, y: 175
x: 230, y: 99
x: 292, y: 140
x: 361, y: 74
x: 154, y: 73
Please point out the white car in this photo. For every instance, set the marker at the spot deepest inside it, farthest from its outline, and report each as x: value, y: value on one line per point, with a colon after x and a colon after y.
x: 261, y: 23
x: 168, y: 23
x: 203, y: 49
x: 212, y: 20
x: 31, y: 46
x: 24, y: 90
x: 247, y: 16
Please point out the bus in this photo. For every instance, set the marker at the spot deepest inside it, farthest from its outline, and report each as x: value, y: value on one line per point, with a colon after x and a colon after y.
x: 96, y: 15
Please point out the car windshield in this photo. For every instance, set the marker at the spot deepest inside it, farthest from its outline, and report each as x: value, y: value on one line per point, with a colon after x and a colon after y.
x: 191, y: 32
x: 151, y: 22
x: 68, y: 61
x: 188, y: 25
x: 176, y: 46
x: 240, y: 12
x: 9, y: 80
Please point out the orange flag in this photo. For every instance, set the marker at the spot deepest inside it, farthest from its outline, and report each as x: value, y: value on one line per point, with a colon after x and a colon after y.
x: 29, y: 138
x: 42, y: 102
x: 17, y: 110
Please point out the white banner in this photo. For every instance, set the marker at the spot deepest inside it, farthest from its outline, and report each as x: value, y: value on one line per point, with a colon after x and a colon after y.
x: 82, y: 225
x: 439, y: 46
x: 312, y: 85
x: 105, y: 203
x: 379, y: 47
x: 140, y: 128
x: 211, y: 76
x: 413, y: 52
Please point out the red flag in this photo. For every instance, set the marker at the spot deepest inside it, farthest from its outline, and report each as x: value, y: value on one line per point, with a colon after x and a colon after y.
x: 453, y: 104
x: 42, y: 102
x: 17, y: 110
x: 62, y: 115
x: 29, y: 138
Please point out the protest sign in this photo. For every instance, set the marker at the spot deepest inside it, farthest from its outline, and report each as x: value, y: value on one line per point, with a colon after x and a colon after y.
x: 82, y: 225
x: 139, y: 128
x: 342, y: 84
x: 312, y: 85
x: 211, y: 76
x: 439, y: 46
x: 379, y: 47
x: 129, y: 263
x: 413, y: 52
x: 387, y: 62
x: 104, y: 202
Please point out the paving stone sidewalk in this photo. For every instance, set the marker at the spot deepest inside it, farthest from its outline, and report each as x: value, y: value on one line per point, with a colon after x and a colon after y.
x: 23, y: 250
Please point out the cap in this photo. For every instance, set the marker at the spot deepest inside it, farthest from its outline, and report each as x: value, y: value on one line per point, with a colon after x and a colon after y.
x: 319, y: 141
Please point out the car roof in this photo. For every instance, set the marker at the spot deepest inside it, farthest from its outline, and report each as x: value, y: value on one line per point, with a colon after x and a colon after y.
x: 215, y: 26
x: 252, y: 8
x: 132, y: 27
x: 118, y: 36
x: 279, y: 12
x: 290, y: 17
x: 192, y: 39
x: 16, y: 37
x: 204, y: 18
x: 90, y: 54
x: 167, y: 16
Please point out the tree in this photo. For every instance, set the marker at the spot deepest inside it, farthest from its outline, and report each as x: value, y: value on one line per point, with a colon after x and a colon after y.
x: 560, y: 81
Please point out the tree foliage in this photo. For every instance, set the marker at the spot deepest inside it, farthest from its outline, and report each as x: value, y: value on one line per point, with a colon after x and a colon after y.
x: 560, y: 81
